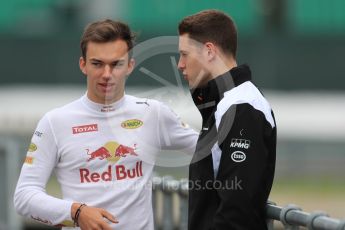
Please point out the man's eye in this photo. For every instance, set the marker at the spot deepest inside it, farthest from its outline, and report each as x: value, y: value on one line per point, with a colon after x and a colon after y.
x: 96, y: 64
x: 118, y: 64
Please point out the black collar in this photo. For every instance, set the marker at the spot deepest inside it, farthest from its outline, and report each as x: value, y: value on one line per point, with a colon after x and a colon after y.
x: 210, y: 95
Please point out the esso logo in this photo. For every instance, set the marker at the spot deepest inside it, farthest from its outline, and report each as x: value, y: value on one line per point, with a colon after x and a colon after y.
x: 238, y: 156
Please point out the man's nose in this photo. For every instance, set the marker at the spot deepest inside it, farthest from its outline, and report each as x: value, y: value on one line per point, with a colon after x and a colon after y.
x: 107, y: 71
x: 180, y: 65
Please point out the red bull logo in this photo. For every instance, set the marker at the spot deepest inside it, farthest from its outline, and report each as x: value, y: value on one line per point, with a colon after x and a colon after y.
x: 118, y: 172
x: 123, y: 150
x: 112, y: 151
x: 100, y: 153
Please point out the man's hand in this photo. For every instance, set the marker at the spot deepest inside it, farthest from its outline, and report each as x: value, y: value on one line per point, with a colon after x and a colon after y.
x: 92, y: 218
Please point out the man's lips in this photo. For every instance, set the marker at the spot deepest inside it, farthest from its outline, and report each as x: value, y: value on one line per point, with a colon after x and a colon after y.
x: 106, y: 86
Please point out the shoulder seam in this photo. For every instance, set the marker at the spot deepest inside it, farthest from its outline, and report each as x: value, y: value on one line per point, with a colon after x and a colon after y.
x: 245, y: 93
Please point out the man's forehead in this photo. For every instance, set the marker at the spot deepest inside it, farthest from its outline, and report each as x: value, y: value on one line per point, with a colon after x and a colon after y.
x: 186, y: 42
x: 117, y: 46
x: 108, y: 52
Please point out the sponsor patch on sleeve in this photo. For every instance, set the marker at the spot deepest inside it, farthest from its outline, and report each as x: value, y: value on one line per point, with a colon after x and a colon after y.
x: 32, y: 147
x: 66, y: 223
x: 29, y: 160
x: 42, y: 220
x: 38, y: 133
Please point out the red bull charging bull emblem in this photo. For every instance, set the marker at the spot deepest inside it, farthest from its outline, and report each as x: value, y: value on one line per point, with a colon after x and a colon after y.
x: 112, y: 151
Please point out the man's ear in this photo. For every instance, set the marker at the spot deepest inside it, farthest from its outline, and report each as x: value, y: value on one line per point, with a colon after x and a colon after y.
x: 131, y: 64
x: 210, y: 50
x: 82, y: 64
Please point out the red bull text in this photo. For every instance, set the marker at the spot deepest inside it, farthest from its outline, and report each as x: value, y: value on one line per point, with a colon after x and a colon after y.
x: 113, y: 172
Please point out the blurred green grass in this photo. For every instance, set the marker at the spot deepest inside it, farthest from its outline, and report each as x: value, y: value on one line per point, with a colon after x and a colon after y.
x: 311, y: 194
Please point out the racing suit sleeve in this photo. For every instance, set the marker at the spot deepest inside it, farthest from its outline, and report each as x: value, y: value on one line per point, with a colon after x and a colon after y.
x: 174, y: 134
x: 247, y: 142
x: 30, y: 197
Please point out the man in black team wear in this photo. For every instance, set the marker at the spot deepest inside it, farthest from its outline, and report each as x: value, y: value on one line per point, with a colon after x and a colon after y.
x: 232, y: 170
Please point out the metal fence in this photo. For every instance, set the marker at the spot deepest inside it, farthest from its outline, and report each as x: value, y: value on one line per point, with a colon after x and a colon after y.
x: 170, y: 206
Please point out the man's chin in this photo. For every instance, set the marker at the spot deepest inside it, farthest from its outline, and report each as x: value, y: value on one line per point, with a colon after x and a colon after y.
x: 192, y: 86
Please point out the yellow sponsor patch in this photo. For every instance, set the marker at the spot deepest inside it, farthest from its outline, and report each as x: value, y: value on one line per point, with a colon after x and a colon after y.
x: 29, y: 160
x: 32, y: 147
x: 66, y: 223
x: 132, y: 124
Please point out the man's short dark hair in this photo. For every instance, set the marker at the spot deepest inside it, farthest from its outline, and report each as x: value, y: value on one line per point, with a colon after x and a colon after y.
x: 106, y: 31
x: 211, y: 26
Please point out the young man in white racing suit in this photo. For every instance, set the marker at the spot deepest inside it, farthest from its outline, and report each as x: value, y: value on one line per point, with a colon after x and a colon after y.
x: 102, y: 147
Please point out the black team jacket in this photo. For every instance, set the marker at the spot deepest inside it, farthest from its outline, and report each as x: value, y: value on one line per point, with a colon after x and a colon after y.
x: 232, y: 170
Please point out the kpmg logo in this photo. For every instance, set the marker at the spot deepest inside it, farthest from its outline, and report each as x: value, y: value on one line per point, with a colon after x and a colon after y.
x: 240, y: 143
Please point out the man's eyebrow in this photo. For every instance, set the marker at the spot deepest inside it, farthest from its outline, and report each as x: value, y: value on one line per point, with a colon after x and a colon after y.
x: 95, y: 60
x: 113, y: 61
x: 119, y: 60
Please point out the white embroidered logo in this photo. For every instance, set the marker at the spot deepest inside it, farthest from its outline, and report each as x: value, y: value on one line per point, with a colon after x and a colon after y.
x: 238, y: 156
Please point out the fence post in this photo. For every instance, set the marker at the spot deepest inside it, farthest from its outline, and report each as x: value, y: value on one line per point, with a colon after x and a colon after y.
x: 270, y: 222
x: 157, y: 202
x: 341, y: 225
x: 183, y: 191
x: 167, y: 203
x: 173, y: 186
x: 11, y: 164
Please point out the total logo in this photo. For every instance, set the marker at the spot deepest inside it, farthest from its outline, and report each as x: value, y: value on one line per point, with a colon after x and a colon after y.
x: 85, y: 128
x: 238, y: 156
